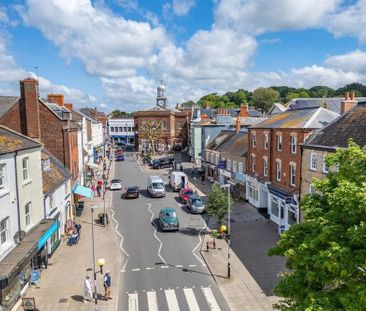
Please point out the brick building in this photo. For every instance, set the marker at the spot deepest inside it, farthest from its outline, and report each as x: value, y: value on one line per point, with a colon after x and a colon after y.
x: 274, y: 161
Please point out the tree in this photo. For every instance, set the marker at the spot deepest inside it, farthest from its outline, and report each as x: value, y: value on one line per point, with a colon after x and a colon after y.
x: 324, y: 251
x: 358, y: 88
x: 217, y: 204
x: 120, y: 114
x: 152, y: 132
x: 297, y: 94
x: 263, y: 98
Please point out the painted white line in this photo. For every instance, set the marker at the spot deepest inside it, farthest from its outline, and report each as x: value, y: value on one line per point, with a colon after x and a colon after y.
x: 171, y: 300
x: 210, y: 298
x: 150, y: 268
x: 123, y: 270
x: 127, y: 256
x: 133, y: 302
x: 152, y: 301
x: 199, y: 243
x: 191, y: 299
x: 164, y: 267
x: 192, y: 266
x: 179, y: 266
x: 155, y: 235
x: 135, y: 269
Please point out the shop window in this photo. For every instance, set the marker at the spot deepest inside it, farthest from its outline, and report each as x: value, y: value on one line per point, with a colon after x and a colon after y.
x: 292, y: 215
x: 217, y: 159
x: 25, y: 168
x: 325, y: 167
x: 292, y: 175
x: 234, y: 167
x: 240, y: 167
x: 4, y: 230
x: 265, y: 141
x: 278, y: 170
x: 28, y: 208
x: 293, y: 143
x: 275, y: 208
x: 279, y: 142
x: 265, y: 167
x: 253, y: 192
x: 313, y: 161
x: 2, y: 176
x: 228, y: 164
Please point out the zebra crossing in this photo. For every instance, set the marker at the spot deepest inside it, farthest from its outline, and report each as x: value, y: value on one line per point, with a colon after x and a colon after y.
x: 167, y: 300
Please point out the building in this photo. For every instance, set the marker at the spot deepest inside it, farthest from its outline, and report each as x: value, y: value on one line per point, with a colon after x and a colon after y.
x: 122, y: 131
x: 274, y: 161
x: 23, y: 231
x: 351, y: 124
x: 56, y: 196
x: 172, y: 126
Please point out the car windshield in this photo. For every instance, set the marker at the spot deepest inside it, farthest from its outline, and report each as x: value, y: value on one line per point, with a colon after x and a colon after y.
x: 132, y: 189
x: 197, y: 202
x: 170, y: 214
x: 115, y: 181
x: 188, y: 192
x: 158, y: 185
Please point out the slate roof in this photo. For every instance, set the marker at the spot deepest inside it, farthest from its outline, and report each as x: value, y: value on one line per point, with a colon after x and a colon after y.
x: 11, y: 141
x: 55, y: 176
x: 299, y: 118
x: 6, y: 103
x: 219, y: 139
x: 351, y: 124
x: 333, y: 103
x: 276, y: 109
x: 236, y: 144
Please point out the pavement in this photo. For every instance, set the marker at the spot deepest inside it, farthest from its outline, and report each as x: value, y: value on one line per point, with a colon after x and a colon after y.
x: 61, y: 284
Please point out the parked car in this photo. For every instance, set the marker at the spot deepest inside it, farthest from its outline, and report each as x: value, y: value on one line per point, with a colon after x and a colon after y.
x: 131, y: 192
x: 116, y: 184
x: 162, y: 162
x: 195, y: 204
x: 168, y: 219
x: 185, y: 193
x: 178, y: 180
x: 155, y: 186
x: 120, y: 157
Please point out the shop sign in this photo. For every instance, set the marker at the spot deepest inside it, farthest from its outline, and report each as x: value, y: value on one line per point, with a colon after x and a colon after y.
x: 225, y: 173
x: 222, y: 164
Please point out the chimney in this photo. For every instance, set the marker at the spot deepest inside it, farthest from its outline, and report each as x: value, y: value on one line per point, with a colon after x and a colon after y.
x: 237, y: 124
x: 95, y: 113
x: 29, y: 108
x: 68, y: 106
x: 243, y: 111
x: 348, y: 103
x: 57, y: 99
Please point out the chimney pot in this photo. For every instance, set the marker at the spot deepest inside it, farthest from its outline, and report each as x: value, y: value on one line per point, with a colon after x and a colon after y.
x: 237, y: 124
x: 56, y: 98
x: 346, y: 96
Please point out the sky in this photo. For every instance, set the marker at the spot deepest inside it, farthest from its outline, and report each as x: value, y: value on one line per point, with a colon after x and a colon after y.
x: 112, y: 54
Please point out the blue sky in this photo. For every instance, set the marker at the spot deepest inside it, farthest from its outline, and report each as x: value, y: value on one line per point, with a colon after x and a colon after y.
x: 112, y: 53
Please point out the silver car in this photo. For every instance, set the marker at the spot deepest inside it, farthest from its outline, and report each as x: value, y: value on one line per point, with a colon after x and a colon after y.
x: 116, y: 184
x: 196, y: 205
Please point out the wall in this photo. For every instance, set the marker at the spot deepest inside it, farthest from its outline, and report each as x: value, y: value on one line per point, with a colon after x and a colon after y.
x: 8, y: 203
x: 97, y: 133
x: 11, y: 119
x: 80, y: 156
x: 30, y: 190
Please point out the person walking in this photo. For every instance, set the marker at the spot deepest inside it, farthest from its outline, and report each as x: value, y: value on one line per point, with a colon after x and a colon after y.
x: 107, y: 285
x: 88, y: 291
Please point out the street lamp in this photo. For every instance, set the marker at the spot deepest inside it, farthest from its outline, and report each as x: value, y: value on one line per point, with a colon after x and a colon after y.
x: 228, y: 227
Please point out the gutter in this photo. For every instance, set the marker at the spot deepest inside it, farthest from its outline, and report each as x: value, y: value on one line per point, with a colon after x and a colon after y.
x: 17, y: 194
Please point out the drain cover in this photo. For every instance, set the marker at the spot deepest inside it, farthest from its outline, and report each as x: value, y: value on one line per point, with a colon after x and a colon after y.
x: 63, y: 300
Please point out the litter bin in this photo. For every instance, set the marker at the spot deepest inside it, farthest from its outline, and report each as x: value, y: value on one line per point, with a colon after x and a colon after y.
x: 101, y: 218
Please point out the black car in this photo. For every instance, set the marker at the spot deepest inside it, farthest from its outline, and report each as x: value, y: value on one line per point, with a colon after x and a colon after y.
x: 162, y: 162
x: 131, y: 192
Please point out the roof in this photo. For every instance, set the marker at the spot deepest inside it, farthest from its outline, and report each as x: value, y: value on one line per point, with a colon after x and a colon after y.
x: 6, y: 103
x: 276, y: 108
x: 55, y: 176
x: 351, y: 124
x: 11, y: 141
x: 299, y: 118
x: 220, y: 138
x: 333, y: 103
x: 236, y: 144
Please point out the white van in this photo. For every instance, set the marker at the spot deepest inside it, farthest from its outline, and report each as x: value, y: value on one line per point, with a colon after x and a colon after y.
x: 156, y: 186
x: 178, y: 180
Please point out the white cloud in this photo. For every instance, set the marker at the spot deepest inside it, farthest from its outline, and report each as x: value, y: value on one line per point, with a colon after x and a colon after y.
x: 128, y: 4
x: 354, y: 61
x: 350, y: 21
x: 182, y: 7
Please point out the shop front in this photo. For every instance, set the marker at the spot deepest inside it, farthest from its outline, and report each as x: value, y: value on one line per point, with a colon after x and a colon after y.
x: 17, y: 267
x: 240, y: 185
x: 224, y: 176
x: 257, y: 193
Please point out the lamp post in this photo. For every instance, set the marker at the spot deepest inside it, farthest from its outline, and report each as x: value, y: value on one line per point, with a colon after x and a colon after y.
x: 101, y: 261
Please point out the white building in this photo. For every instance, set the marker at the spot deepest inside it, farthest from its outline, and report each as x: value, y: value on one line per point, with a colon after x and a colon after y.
x: 122, y: 131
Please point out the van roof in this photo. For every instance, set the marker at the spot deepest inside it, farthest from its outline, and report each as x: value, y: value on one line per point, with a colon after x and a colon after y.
x: 178, y: 173
x: 155, y: 177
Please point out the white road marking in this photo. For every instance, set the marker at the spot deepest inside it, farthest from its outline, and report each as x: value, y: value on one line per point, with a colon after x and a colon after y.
x: 155, y: 235
x: 171, y: 300
x: 199, y: 243
x: 179, y: 266
x: 212, y: 304
x: 152, y: 301
x: 150, y: 268
x: 191, y: 299
x: 192, y: 266
x: 135, y: 269
x: 133, y: 302
x: 164, y: 267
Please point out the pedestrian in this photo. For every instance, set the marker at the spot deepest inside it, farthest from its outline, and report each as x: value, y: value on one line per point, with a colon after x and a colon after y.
x: 98, y: 190
x: 78, y: 229
x: 93, y: 188
x: 107, y: 285
x: 88, y: 292
x: 203, y: 179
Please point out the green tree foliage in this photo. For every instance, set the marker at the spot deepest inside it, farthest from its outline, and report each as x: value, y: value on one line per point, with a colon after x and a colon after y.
x: 358, y: 88
x: 120, y: 114
x: 321, y: 91
x: 263, y: 98
x: 297, y: 94
x: 324, y: 251
x: 217, y: 203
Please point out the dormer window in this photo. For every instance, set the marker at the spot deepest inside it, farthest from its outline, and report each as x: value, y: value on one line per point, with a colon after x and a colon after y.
x: 46, y: 164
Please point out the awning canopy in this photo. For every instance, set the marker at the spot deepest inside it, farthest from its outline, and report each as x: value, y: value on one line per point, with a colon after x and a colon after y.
x: 83, y: 191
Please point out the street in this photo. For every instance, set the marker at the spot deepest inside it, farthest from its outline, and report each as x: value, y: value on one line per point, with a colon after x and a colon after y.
x: 160, y: 270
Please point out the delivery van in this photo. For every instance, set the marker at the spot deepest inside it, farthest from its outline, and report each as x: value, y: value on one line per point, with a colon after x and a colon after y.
x: 178, y: 180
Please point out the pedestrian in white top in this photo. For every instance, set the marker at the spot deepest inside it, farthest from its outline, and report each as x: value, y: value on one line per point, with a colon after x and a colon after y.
x: 88, y: 291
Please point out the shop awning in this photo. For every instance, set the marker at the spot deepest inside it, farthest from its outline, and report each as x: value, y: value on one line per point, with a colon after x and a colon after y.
x: 51, y: 230
x: 83, y: 191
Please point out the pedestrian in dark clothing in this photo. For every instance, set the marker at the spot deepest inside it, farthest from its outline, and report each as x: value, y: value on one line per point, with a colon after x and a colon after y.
x: 203, y: 179
x: 107, y: 285
x: 44, y: 257
x: 181, y: 168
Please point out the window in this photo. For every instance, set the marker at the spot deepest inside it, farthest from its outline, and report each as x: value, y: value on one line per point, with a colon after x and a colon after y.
x: 165, y: 125
x: 217, y: 159
x: 325, y: 167
x: 313, y: 162
x: 25, y: 166
x: 253, y: 163
x: 112, y: 129
x: 292, y: 174
x: 240, y: 167
x: 228, y: 164
x: 2, y: 176
x: 180, y: 124
x: 265, y: 141
x: 4, y: 230
x: 278, y: 170
x: 254, y: 140
x: 234, y: 167
x: 212, y: 158
x: 28, y: 208
x: 275, y: 209
x: 279, y: 142
x: 265, y: 167
x: 311, y: 189
x: 293, y: 143
x: 125, y: 129
x: 292, y: 215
